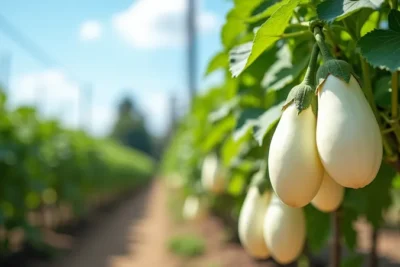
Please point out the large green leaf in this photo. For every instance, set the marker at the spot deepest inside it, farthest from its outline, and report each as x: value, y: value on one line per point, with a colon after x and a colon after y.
x: 269, y: 32
x: 331, y: 10
x: 381, y: 48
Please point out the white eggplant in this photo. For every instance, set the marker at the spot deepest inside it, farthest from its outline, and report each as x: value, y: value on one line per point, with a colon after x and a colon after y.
x: 251, y: 223
x: 284, y: 231
x: 348, y: 136
x: 194, y: 209
x: 329, y: 196
x: 295, y: 169
x: 212, y: 175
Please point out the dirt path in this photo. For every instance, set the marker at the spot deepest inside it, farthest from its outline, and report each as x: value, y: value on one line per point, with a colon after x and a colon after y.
x: 107, y: 236
x: 154, y: 232
x: 135, y: 234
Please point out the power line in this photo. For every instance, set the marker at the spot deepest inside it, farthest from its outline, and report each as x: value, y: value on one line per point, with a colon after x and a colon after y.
x: 192, y: 49
x: 29, y: 45
x: 48, y: 61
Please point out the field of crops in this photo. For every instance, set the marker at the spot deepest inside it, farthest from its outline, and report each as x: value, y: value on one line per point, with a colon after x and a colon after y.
x: 52, y: 176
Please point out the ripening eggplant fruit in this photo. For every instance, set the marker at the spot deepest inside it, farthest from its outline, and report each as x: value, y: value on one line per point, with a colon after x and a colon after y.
x: 295, y: 169
x: 348, y: 136
x: 329, y: 196
x: 251, y: 223
x: 284, y: 231
x: 194, y: 209
x: 349, y: 140
x: 212, y: 176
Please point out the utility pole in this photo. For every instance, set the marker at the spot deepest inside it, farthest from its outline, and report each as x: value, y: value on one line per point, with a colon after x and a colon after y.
x: 192, y: 49
x: 85, y: 99
x: 173, y: 115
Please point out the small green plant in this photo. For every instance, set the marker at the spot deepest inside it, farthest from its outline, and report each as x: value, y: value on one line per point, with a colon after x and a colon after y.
x: 186, y: 245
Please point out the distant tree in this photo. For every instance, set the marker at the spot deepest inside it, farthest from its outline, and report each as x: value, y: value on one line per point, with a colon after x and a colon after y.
x: 129, y: 128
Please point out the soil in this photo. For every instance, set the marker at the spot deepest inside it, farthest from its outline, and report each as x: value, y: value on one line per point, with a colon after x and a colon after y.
x: 135, y: 233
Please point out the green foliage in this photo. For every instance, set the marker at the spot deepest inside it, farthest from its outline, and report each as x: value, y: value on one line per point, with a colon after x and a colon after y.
x: 384, y: 53
x: 266, y: 36
x: 187, y: 246
x: 269, y: 45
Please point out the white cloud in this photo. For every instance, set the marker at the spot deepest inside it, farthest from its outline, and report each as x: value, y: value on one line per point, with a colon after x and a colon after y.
x: 56, y: 95
x: 90, y: 30
x: 157, y: 23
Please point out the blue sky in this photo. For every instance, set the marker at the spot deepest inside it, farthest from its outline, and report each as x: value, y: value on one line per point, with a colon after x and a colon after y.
x: 120, y: 47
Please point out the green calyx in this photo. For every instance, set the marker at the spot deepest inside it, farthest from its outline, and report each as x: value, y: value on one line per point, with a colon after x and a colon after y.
x: 303, y: 95
x: 338, y: 68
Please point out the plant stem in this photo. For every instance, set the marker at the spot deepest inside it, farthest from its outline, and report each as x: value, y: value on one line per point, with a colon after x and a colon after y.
x: 395, y: 106
x: 395, y: 95
x: 297, y: 17
x: 295, y: 34
x: 373, y: 259
x: 326, y: 54
x: 336, y: 245
x: 394, y: 4
x: 367, y: 86
x: 309, y: 77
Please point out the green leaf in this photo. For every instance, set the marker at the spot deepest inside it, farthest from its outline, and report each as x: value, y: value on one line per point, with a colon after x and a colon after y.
x: 267, y: 122
x: 266, y: 9
x: 235, y: 26
x: 219, y: 61
x: 267, y: 35
x: 230, y: 31
x: 356, y: 22
x: 237, y: 184
x: 318, y: 228
x: 384, y: 53
x: 247, y: 118
x: 225, y: 110
x: 331, y: 10
x: 218, y: 133
x: 287, y: 69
